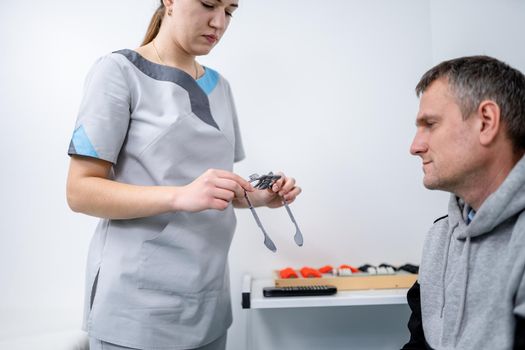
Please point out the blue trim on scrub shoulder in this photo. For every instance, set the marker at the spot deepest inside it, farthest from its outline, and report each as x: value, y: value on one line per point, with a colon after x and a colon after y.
x: 209, y: 80
x: 83, y: 146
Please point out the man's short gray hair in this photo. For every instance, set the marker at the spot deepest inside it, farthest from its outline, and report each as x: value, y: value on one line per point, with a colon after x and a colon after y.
x: 477, y: 78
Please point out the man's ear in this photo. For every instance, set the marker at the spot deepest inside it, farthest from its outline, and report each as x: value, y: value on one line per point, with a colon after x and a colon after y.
x: 490, y: 115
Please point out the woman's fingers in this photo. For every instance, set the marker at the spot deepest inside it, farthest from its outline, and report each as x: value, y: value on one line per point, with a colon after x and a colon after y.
x: 291, y: 195
x: 214, y: 189
x: 284, y: 185
x: 223, y: 174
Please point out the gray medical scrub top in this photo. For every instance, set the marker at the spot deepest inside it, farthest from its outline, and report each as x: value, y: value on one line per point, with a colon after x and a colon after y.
x: 158, y: 282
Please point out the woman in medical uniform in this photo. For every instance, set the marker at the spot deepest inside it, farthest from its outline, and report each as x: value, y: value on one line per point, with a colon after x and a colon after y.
x: 152, y: 154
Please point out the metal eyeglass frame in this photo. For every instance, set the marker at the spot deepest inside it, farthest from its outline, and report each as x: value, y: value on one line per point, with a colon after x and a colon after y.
x: 265, y: 182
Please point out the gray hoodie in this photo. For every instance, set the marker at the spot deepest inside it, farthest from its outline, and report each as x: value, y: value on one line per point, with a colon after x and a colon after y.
x: 472, y: 275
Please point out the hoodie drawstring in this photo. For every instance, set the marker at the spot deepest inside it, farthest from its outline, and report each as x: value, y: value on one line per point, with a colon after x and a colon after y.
x: 461, y: 311
x: 450, y: 233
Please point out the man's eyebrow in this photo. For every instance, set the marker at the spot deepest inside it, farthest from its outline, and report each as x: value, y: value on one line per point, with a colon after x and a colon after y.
x: 230, y: 5
x: 425, y: 117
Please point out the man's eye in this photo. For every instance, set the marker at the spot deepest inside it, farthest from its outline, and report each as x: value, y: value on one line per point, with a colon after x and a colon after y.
x: 208, y: 6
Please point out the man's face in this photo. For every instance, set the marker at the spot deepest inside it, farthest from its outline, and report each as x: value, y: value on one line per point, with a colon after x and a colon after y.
x: 444, y: 141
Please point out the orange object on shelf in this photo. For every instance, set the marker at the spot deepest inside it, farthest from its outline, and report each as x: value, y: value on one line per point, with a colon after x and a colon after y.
x: 308, y: 272
x: 353, y: 269
x: 288, y: 273
x: 326, y: 269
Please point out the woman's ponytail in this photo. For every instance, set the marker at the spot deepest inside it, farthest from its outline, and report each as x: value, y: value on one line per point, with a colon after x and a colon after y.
x: 154, y: 24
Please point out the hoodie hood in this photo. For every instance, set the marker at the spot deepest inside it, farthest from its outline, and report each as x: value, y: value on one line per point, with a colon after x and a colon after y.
x: 449, y: 249
x: 507, y: 201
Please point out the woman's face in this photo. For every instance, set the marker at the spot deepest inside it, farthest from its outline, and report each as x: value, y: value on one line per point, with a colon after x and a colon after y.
x: 198, y: 25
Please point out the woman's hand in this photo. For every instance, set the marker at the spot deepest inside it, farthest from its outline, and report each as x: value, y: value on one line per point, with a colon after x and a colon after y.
x: 284, y: 188
x: 214, y: 189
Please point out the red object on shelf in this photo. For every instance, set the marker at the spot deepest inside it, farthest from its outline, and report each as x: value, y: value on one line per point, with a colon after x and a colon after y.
x: 326, y: 269
x: 288, y: 273
x: 308, y: 272
x: 353, y: 269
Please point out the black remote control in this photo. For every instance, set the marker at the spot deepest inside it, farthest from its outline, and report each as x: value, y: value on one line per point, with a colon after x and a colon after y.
x: 298, y: 291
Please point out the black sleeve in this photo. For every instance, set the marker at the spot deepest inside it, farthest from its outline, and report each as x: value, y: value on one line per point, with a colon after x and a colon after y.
x: 519, y: 334
x: 415, y: 323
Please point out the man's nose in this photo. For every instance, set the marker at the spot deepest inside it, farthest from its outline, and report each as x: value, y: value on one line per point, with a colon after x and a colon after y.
x: 419, y: 145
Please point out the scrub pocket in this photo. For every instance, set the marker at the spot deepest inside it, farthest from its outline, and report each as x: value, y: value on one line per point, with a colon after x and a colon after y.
x: 190, y: 255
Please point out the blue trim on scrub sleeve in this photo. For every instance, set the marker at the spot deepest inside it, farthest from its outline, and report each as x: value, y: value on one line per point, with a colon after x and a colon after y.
x: 208, y: 81
x: 82, y: 144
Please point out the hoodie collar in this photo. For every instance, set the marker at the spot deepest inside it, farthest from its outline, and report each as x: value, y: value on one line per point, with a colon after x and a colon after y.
x: 507, y: 201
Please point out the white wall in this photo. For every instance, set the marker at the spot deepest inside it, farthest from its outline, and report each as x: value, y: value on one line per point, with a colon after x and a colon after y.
x: 324, y: 91
x: 479, y: 27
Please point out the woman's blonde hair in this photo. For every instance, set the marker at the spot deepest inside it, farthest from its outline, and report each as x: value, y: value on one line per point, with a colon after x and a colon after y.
x: 154, y: 24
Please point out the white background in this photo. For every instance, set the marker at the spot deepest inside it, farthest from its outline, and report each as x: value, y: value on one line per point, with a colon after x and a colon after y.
x: 324, y: 92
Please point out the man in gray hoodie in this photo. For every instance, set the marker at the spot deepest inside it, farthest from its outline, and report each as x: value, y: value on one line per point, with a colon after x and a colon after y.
x: 471, y: 140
